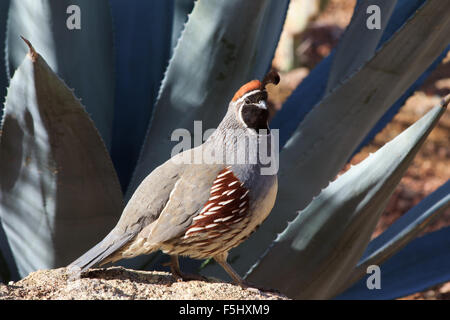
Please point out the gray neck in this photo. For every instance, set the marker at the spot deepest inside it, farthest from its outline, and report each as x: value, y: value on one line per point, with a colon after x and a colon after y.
x: 233, y: 143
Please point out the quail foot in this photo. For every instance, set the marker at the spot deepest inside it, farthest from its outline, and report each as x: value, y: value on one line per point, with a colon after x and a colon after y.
x: 204, y: 201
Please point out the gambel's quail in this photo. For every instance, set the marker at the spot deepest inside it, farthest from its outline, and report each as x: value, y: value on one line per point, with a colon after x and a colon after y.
x: 197, y: 208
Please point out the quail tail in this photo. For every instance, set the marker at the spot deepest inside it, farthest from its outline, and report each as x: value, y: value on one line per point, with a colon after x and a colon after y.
x: 110, y: 244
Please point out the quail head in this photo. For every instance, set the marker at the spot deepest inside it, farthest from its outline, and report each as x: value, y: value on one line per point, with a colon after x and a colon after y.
x: 201, y: 209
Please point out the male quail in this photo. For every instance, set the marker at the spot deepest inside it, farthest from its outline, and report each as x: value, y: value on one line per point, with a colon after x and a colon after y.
x: 200, y: 210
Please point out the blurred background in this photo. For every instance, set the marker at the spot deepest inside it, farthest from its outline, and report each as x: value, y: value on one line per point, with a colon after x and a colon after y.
x: 312, y: 29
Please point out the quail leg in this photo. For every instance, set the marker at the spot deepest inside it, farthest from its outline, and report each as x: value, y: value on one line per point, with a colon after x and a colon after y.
x: 222, y: 260
x: 176, y: 271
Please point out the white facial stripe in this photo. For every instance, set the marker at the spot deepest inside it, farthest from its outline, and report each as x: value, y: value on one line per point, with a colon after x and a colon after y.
x: 240, y: 117
x: 261, y: 104
x: 246, y: 95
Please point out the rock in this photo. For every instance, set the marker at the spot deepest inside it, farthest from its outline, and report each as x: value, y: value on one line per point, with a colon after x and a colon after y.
x: 120, y: 283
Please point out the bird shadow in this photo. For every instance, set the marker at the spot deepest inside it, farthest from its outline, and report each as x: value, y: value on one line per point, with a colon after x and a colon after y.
x: 151, y: 277
x: 120, y: 273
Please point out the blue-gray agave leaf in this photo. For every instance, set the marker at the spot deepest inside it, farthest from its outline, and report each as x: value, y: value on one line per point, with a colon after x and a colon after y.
x: 142, y: 34
x: 268, y: 37
x: 214, y: 57
x: 5, y: 269
x: 312, y: 89
x: 59, y: 193
x: 4, y: 5
x: 318, y: 249
x: 359, y: 42
x: 330, y: 133
x: 387, y: 117
x: 423, y: 263
x: 402, y: 231
x: 83, y: 57
x: 404, y: 10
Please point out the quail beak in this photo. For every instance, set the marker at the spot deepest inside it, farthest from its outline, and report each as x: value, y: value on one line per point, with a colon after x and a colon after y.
x: 262, y: 104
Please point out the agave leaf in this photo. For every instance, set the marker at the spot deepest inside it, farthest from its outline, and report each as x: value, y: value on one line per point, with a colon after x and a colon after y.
x: 329, y: 134
x: 181, y: 11
x: 210, y: 63
x: 269, y: 36
x: 4, y: 5
x: 312, y: 89
x: 423, y: 263
x: 389, y: 115
x: 402, y: 231
x: 6, y: 263
x: 8, y: 267
x: 358, y: 43
x: 404, y: 10
x: 302, y: 100
x: 59, y: 191
x: 141, y: 59
x: 329, y: 236
x: 82, y: 57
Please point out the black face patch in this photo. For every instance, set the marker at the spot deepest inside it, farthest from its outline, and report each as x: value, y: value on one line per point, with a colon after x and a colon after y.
x: 256, y: 97
x: 255, y: 117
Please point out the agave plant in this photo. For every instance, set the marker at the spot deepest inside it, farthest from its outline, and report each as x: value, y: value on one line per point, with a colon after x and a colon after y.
x: 144, y: 69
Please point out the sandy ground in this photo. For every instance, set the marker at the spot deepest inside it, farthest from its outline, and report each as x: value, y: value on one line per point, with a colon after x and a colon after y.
x: 118, y: 283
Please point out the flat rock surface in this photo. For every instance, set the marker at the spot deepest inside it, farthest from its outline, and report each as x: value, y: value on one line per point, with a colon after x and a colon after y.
x: 123, y: 284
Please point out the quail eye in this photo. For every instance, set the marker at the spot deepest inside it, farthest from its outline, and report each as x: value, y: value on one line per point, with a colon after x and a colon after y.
x: 256, y: 97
